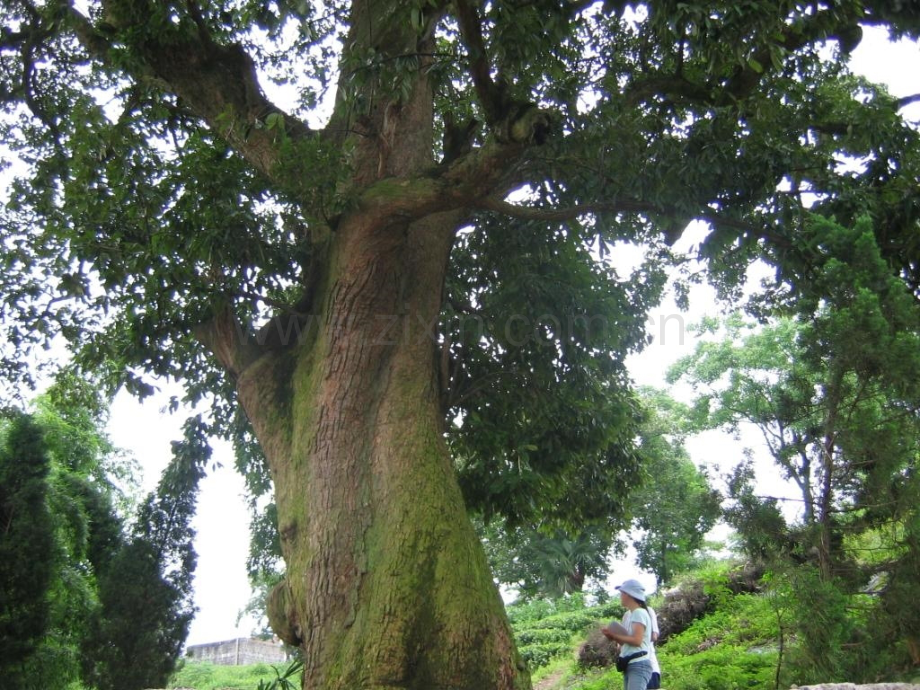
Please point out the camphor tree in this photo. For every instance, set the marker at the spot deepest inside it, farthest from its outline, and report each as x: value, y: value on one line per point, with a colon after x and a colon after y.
x: 363, y: 286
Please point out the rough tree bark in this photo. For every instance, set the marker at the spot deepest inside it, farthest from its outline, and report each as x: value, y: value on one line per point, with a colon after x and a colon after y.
x: 389, y: 585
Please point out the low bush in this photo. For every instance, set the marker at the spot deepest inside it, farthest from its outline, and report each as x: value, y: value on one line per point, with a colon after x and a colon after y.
x: 537, y: 655
x: 543, y: 636
x: 597, y: 651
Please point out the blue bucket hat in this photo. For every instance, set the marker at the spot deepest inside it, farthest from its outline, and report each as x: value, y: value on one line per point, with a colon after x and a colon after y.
x: 634, y: 589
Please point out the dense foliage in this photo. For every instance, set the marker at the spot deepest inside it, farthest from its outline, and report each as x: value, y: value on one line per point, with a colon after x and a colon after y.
x: 76, y: 529
x: 676, y: 506
x: 535, y: 564
x: 765, y: 639
x: 27, y: 545
x: 671, y: 508
x: 761, y: 640
x: 833, y: 389
x: 88, y: 599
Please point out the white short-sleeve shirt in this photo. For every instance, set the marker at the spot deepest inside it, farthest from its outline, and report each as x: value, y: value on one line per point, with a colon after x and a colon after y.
x: 639, y: 615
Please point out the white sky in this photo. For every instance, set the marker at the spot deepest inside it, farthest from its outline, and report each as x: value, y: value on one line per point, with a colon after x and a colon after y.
x: 221, y: 523
x: 221, y: 587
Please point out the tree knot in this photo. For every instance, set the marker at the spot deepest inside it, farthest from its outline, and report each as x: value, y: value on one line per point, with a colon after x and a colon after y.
x: 526, y: 123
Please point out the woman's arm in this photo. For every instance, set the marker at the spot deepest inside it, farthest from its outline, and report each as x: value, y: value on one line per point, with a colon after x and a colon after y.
x: 634, y: 638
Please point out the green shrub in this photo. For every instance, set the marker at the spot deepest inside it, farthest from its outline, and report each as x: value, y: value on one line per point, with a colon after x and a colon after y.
x: 745, y: 620
x: 526, y: 612
x: 733, y: 647
x: 720, y: 667
x: 543, y: 636
x: 574, y: 621
x: 538, y: 609
x: 537, y: 655
x: 611, y: 610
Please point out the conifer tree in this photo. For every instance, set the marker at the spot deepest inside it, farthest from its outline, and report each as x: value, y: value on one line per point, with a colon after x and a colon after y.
x: 27, y: 562
x: 146, y: 590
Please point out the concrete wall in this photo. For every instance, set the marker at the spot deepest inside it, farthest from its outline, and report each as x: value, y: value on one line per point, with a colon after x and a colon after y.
x: 238, y: 652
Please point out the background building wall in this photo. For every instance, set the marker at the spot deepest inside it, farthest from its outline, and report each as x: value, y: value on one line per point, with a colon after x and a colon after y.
x: 239, y: 652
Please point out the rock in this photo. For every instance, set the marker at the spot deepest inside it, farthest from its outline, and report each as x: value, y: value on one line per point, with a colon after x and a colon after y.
x: 685, y: 604
x: 597, y: 651
x: 854, y: 686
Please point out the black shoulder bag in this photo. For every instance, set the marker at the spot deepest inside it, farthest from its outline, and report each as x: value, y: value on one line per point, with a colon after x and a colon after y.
x: 623, y: 661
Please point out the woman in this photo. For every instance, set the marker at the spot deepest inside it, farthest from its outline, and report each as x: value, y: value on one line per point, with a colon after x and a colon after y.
x: 634, y: 636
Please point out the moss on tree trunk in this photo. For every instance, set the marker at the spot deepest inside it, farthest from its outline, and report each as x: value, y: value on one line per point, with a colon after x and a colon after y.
x: 388, y: 582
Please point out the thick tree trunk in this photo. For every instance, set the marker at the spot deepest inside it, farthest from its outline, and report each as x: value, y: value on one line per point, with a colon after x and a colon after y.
x: 388, y: 582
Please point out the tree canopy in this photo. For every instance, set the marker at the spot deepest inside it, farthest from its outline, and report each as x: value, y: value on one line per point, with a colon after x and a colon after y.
x: 166, y: 186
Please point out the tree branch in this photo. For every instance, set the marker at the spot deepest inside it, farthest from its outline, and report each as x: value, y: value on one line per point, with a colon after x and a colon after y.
x: 228, y: 340
x: 553, y: 215
x: 746, y: 77
x: 217, y: 82
x: 908, y: 100
x: 621, y: 206
x: 461, y: 184
x: 480, y: 70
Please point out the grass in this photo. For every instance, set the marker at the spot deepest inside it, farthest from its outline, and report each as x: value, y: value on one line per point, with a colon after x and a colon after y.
x: 203, y: 675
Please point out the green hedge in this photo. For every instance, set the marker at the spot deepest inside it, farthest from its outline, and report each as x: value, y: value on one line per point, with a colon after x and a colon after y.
x: 543, y: 636
x: 537, y: 655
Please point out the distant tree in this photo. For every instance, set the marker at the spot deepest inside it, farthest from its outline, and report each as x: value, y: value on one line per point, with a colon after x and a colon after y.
x: 27, y: 551
x: 675, y: 506
x: 145, y: 592
x: 88, y: 480
x: 834, y: 391
x: 85, y: 530
x: 80, y: 493
x: 670, y: 509
x: 82, y: 599
x: 552, y: 565
x: 761, y: 529
x: 834, y: 387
